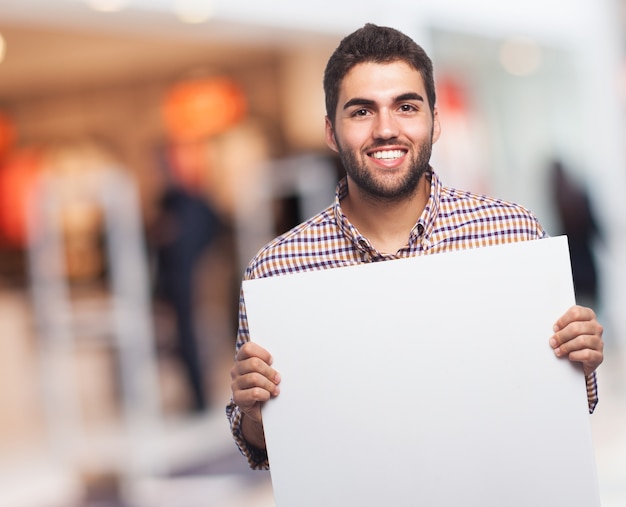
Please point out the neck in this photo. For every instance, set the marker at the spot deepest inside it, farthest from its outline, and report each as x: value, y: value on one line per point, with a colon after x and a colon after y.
x: 386, y: 224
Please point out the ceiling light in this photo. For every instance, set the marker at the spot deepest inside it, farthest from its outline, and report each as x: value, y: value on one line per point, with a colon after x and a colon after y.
x: 193, y: 11
x: 107, y: 5
x: 520, y: 57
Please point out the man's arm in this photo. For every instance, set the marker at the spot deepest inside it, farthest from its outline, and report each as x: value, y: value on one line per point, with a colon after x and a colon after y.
x: 578, y: 336
x: 254, y: 381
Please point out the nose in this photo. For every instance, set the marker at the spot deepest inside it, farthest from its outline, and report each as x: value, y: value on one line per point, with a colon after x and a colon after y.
x: 386, y: 126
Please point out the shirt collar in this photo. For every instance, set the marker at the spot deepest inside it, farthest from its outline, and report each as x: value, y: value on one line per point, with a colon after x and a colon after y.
x: 346, y: 228
x: 426, y: 221
x: 422, y: 229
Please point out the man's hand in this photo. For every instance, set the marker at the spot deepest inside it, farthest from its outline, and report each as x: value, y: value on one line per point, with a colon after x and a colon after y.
x: 578, y: 336
x: 254, y: 381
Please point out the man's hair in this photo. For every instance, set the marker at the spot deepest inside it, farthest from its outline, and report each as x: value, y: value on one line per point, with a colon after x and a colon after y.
x: 377, y: 44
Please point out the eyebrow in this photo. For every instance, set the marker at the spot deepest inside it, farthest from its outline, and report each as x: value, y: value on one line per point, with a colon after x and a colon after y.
x: 358, y: 101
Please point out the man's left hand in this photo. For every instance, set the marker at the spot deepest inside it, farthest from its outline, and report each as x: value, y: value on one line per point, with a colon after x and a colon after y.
x: 578, y: 336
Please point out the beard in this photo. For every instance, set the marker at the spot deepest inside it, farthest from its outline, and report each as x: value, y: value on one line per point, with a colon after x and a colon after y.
x: 387, y: 189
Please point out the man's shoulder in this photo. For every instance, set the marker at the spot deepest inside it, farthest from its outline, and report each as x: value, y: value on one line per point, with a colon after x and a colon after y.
x: 460, y: 201
x: 466, y: 219
x: 313, y: 244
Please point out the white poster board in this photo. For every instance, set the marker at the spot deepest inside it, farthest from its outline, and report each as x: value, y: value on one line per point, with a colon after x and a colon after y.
x: 426, y: 382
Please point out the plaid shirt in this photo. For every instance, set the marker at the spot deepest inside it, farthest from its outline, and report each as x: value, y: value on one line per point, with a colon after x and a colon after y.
x: 451, y: 220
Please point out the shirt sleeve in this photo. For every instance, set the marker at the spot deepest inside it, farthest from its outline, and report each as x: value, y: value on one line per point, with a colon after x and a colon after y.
x: 257, y: 458
x: 592, y: 391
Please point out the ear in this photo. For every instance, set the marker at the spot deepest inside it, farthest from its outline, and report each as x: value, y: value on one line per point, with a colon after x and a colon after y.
x: 331, y: 141
x: 436, y: 126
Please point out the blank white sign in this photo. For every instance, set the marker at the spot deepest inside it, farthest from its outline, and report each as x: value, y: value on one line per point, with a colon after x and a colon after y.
x: 426, y: 382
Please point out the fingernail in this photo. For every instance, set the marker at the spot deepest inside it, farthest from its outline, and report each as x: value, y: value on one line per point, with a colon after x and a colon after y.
x: 553, y: 342
x: 277, y: 378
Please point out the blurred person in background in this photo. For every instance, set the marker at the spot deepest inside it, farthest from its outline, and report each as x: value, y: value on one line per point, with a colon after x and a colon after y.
x: 578, y: 222
x: 186, y: 227
x: 382, y: 120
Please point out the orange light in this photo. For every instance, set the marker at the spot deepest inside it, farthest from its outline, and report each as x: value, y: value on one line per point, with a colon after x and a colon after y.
x: 198, y: 109
x: 451, y: 96
x: 17, y: 183
x: 7, y: 135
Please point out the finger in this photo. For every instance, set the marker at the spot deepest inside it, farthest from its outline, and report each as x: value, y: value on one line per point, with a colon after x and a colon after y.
x: 564, y: 346
x: 251, y: 357
x: 590, y: 359
x: 251, y: 349
x: 252, y: 381
x: 574, y: 314
x: 570, y: 332
x: 247, y: 398
x: 587, y: 356
x: 250, y: 391
x: 254, y: 365
x: 578, y: 326
x: 580, y: 343
x: 249, y: 404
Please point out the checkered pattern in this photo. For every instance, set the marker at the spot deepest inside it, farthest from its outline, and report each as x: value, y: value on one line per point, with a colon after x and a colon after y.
x: 452, y: 220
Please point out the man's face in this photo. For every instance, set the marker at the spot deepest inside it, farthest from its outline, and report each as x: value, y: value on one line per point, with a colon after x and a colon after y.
x: 384, y: 129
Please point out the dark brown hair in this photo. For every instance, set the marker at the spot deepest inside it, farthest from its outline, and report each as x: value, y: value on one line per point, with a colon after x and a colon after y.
x: 376, y: 44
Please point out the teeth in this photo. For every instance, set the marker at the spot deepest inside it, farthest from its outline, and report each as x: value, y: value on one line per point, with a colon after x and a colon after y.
x: 389, y: 154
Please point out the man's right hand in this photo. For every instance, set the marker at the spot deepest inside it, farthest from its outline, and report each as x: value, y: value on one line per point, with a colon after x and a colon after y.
x: 254, y: 381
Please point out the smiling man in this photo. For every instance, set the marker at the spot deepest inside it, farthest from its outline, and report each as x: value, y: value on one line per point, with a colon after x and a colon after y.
x: 382, y: 120
x: 384, y: 130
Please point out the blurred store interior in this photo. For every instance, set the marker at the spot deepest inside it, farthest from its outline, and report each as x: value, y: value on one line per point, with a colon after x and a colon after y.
x: 148, y: 148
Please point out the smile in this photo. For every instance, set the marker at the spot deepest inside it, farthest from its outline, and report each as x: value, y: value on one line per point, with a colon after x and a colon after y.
x: 388, y: 154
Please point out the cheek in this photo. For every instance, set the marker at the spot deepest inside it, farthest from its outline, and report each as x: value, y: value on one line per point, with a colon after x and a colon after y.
x: 421, y: 133
x: 353, y: 138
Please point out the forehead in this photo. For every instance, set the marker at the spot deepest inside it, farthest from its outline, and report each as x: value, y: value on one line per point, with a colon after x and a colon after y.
x: 371, y: 80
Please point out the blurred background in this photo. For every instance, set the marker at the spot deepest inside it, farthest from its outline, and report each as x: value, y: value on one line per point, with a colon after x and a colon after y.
x: 149, y: 148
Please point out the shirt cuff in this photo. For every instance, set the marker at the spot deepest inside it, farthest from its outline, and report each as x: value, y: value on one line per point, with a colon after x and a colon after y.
x: 257, y: 458
x: 592, y: 391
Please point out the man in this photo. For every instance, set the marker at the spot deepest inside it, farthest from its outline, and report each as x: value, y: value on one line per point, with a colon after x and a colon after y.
x: 382, y: 121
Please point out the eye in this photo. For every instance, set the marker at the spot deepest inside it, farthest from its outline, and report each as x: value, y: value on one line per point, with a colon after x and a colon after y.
x: 408, y: 108
x: 360, y: 112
